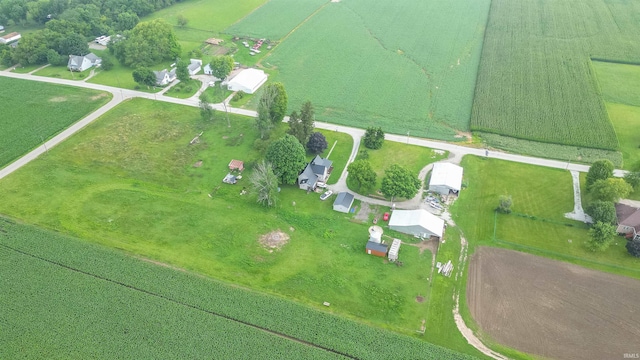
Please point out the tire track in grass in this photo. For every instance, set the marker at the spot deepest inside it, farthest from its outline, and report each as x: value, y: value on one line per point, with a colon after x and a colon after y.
x: 288, y: 337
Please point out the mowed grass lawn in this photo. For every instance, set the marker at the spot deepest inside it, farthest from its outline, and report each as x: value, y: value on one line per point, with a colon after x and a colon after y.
x: 620, y: 86
x: 411, y: 157
x: 340, y: 154
x: 537, y: 224
x: 128, y: 181
x: 62, y: 72
x: 29, y: 120
x: 384, y: 63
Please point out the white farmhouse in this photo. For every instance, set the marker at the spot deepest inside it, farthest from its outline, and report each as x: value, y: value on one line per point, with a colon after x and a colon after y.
x: 163, y: 77
x: 416, y: 222
x: 82, y: 63
x: 446, y: 178
x: 248, y: 80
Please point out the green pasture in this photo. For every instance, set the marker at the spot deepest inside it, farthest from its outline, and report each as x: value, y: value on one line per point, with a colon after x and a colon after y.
x: 411, y: 157
x: 42, y: 111
x: 366, y: 63
x: 537, y: 224
x: 620, y: 85
x: 184, y: 89
x: 128, y: 181
x: 275, y: 19
x: 68, y: 296
x: 536, y: 80
x: 26, y: 69
x: 62, y: 72
x: 217, y: 94
x: 206, y: 15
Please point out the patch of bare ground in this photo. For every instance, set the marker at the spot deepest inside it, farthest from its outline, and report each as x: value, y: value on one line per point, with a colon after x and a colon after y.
x: 99, y: 96
x: 58, y: 99
x: 551, y: 308
x: 274, y: 240
x: 363, y: 213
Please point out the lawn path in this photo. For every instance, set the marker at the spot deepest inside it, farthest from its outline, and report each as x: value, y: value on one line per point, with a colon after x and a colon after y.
x: 578, y: 212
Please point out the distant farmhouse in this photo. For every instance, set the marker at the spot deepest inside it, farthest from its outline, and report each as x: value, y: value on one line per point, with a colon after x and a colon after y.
x: 10, y: 38
x: 315, y: 172
x: 82, y: 63
x: 248, y: 80
x: 164, y: 77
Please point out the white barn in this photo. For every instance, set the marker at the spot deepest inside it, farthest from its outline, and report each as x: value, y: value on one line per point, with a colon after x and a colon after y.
x: 416, y: 222
x: 248, y: 80
x: 446, y: 178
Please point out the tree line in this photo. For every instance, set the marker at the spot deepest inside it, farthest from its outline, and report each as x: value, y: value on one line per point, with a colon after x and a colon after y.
x: 70, y: 24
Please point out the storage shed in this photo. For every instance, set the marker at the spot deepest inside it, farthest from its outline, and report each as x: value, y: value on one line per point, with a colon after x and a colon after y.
x: 343, y: 202
x: 248, y: 80
x: 416, y: 222
x: 236, y: 165
x: 445, y: 178
x: 376, y: 249
x: 393, y: 251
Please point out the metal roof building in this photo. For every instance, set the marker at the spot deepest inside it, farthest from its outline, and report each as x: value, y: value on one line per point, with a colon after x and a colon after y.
x: 248, y: 80
x: 445, y: 178
x: 343, y: 202
x: 416, y: 222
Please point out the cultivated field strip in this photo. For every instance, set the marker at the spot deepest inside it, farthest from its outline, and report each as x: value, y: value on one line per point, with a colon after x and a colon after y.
x: 535, y: 79
x: 278, y: 316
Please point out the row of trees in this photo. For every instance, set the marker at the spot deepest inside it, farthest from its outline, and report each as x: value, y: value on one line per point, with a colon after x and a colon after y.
x: 606, y: 190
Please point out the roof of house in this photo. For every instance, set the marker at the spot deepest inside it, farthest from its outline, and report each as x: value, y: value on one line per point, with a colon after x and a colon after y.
x: 194, y: 64
x: 214, y: 41
x: 10, y: 35
x: 77, y: 60
x: 344, y: 199
x: 92, y: 57
x: 162, y: 73
x: 249, y: 78
x: 419, y: 217
x: 377, y: 246
x: 447, y: 174
x: 628, y: 216
x: 318, y: 165
x: 307, y: 174
x: 236, y: 164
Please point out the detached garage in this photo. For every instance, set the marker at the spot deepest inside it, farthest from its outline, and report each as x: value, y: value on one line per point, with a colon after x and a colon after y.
x: 446, y: 178
x: 248, y: 80
x: 416, y: 222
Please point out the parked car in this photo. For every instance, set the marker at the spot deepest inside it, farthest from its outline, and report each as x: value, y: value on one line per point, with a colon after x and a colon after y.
x: 385, y: 217
x: 321, y: 185
x: 435, y: 205
x: 326, y: 195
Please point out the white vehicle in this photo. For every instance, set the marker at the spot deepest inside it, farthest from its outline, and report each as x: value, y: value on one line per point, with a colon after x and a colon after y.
x: 326, y: 195
x: 435, y: 205
x: 321, y: 185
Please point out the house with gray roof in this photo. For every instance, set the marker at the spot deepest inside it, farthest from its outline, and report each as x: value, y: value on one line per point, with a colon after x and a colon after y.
x: 163, y: 77
x: 82, y: 63
x: 316, y: 171
x: 343, y: 202
x: 194, y: 66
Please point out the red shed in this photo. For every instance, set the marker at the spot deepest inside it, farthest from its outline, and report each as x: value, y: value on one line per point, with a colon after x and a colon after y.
x: 377, y: 249
x: 236, y: 165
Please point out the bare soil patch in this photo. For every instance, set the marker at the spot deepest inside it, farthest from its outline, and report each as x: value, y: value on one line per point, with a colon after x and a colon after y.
x: 274, y: 240
x: 363, y: 213
x: 419, y: 299
x: 551, y: 308
x: 58, y: 99
x: 197, y: 164
x: 99, y: 96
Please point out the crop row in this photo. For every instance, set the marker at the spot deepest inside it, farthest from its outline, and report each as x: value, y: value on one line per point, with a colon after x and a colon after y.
x: 535, y: 79
x: 207, y: 296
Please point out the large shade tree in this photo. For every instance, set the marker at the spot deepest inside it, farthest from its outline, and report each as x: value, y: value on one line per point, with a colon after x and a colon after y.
x: 287, y: 156
x: 221, y: 66
x: 362, y: 175
x: 149, y: 43
x: 399, y: 182
x: 599, y: 170
x: 265, y: 183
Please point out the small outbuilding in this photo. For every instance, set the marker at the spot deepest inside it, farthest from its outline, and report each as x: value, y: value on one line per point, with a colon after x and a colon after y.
x: 343, y: 202
x: 1, y: 29
x: 10, y: 37
x: 236, y: 165
x: 375, y: 234
x: 194, y: 67
x: 248, y: 81
x: 446, y: 178
x: 394, y: 249
x: 376, y: 249
x: 418, y: 222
